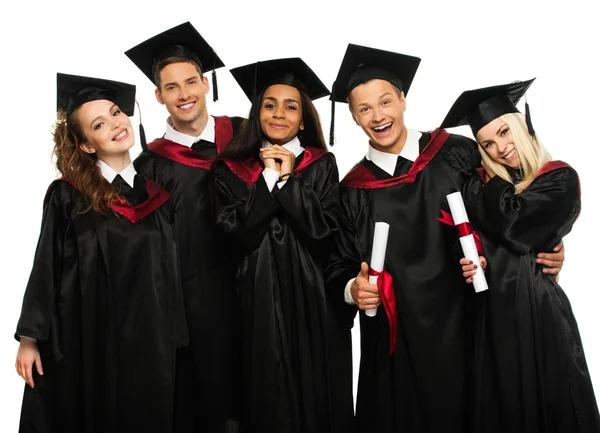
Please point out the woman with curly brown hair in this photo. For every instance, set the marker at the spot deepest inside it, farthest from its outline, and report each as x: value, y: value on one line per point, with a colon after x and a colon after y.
x: 102, y: 313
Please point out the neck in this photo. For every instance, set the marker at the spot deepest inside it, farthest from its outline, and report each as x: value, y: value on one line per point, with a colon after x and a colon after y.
x: 193, y: 128
x: 117, y: 162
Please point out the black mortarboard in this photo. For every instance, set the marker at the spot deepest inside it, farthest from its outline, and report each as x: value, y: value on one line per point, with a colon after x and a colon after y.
x: 479, y: 107
x: 180, y: 41
x: 256, y: 77
x: 362, y: 64
x: 72, y: 91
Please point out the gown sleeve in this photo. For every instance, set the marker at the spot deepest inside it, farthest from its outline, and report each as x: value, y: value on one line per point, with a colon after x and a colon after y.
x: 312, y: 208
x: 344, y: 263
x: 534, y: 220
x: 463, y: 154
x: 243, y: 211
x: 39, y: 301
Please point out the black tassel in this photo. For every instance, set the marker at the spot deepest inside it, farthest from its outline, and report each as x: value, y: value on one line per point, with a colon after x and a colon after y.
x: 254, y: 91
x: 528, y: 119
x: 214, y: 85
x: 332, y: 122
x: 143, y: 138
x: 142, y: 132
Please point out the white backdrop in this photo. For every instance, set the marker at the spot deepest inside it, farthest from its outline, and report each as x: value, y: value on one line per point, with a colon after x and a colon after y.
x: 463, y: 45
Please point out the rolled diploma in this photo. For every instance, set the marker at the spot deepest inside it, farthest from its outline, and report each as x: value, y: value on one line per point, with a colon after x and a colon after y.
x: 380, y: 238
x: 459, y: 215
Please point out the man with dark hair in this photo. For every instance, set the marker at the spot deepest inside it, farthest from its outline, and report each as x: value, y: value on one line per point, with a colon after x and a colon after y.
x: 208, y: 392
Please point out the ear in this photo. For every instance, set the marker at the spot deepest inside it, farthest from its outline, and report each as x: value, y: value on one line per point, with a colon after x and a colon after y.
x: 87, y: 148
x: 158, y: 96
x: 206, y: 84
x: 302, y: 126
x: 403, y: 101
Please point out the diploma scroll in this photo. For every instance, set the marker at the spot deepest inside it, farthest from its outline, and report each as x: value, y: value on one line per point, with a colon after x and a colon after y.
x: 467, y: 241
x: 380, y: 239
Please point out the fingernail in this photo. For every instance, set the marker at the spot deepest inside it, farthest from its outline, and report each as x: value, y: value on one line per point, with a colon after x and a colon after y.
x: 538, y: 260
x: 470, y: 262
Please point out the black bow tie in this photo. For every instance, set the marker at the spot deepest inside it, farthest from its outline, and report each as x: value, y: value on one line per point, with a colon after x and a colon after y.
x: 205, y: 148
x: 136, y: 195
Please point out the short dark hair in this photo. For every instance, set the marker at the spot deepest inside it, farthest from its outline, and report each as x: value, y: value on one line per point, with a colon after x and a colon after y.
x: 169, y: 61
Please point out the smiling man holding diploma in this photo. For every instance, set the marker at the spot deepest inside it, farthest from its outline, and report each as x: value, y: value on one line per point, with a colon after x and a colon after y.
x: 419, y: 383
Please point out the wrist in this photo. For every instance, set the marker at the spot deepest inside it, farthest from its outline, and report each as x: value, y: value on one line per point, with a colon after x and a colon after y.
x: 284, y: 177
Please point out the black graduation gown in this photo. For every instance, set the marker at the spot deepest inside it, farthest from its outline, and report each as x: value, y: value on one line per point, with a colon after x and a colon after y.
x: 283, y: 237
x: 421, y: 386
x: 211, y: 401
x: 103, y: 304
x: 531, y: 373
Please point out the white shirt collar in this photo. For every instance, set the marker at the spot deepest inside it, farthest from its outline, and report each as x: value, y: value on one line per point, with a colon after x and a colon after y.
x: 187, y: 140
x: 109, y: 173
x: 387, y: 161
x: 293, y: 145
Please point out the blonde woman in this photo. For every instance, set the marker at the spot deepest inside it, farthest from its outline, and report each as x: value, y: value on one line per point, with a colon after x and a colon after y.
x: 530, y: 369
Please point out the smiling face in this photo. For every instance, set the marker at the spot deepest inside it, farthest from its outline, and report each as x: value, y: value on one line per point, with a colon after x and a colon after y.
x: 497, y: 141
x: 183, y: 91
x: 377, y: 106
x: 281, y: 113
x: 107, y: 129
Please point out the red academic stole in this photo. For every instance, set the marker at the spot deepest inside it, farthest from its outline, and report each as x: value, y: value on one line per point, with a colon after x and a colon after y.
x: 360, y: 176
x: 185, y: 155
x: 157, y: 196
x: 249, y: 170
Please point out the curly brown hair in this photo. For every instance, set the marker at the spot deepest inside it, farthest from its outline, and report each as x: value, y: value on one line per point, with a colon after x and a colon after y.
x: 78, y: 166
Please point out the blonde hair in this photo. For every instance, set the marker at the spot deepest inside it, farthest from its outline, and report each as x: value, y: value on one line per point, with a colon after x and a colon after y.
x: 532, y: 153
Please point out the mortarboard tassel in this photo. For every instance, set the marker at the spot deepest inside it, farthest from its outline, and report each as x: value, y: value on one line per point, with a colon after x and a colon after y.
x: 254, y: 84
x: 214, y: 86
x: 331, y: 124
x: 528, y: 118
x: 142, y: 132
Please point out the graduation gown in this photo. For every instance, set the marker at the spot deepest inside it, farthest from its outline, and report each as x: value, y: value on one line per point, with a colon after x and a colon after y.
x: 209, y: 391
x: 103, y: 304
x: 421, y: 386
x: 531, y: 375
x: 283, y: 238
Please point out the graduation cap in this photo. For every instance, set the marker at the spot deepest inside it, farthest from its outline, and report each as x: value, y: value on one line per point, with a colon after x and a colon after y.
x: 361, y: 64
x: 72, y: 91
x: 181, y: 41
x: 479, y: 107
x: 293, y: 71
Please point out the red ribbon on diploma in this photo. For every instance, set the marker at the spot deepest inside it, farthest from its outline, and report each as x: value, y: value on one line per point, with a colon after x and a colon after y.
x: 388, y: 299
x: 463, y: 229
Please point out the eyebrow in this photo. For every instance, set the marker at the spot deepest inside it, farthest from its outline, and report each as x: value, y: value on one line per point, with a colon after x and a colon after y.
x: 501, y: 128
x: 285, y: 100
x: 99, y: 117
x: 173, y: 83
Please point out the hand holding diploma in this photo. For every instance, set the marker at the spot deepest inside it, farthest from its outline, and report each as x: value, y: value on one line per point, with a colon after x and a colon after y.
x: 465, y: 233
x: 365, y: 294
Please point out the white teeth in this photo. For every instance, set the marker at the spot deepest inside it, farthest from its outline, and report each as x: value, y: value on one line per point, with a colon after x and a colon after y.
x: 121, y: 135
x: 379, y: 128
x: 512, y: 152
x: 186, y: 106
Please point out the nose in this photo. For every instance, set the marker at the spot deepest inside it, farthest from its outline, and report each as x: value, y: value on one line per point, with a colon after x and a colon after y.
x: 279, y: 112
x: 116, y: 123
x: 183, y: 94
x: 502, y: 145
x: 377, y: 115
